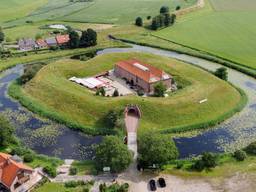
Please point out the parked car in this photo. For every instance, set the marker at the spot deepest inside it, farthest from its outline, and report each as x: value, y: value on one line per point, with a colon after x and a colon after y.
x: 162, y: 182
x: 152, y: 185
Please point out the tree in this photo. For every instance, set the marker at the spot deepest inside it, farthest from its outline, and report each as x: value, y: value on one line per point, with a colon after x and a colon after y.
x: 1, y: 35
x: 6, y: 132
x: 177, y: 8
x: 156, y: 148
x: 159, y: 90
x: 148, y: 17
x: 207, y: 160
x: 164, y: 10
x: 112, y: 153
x: 88, y: 38
x: 155, y: 24
x: 74, y: 39
x: 167, y: 19
x: 221, y: 73
x: 139, y: 21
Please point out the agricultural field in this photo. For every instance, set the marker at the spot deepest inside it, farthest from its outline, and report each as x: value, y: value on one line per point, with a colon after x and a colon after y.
x: 52, y: 92
x: 220, y: 29
x: 15, y: 9
x: 123, y: 11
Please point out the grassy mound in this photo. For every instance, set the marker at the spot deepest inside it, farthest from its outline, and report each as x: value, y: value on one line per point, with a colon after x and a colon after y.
x: 51, y: 93
x: 222, y: 30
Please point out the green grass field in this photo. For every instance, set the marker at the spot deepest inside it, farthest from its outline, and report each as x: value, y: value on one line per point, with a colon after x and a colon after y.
x: 58, y: 187
x: 123, y: 11
x: 15, y: 9
x: 97, y: 11
x: 52, y: 93
x: 227, y: 33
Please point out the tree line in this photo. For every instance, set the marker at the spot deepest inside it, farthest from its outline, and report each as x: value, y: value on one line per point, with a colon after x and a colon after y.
x: 164, y: 19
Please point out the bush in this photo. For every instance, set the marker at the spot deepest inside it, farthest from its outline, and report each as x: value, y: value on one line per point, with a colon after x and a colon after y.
x: 73, y: 171
x: 159, y: 90
x: 240, y: 155
x: 251, y: 149
x: 179, y: 165
x: 221, y: 73
x: 30, y: 71
x: 208, y: 160
x: 50, y: 171
x: 28, y: 158
x: 140, y: 92
x: 110, y: 119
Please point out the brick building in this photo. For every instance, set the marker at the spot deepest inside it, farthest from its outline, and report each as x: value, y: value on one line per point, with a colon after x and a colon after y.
x: 142, y: 75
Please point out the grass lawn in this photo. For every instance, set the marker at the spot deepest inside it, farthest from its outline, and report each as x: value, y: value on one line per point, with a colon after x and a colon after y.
x: 58, y: 187
x: 227, y: 166
x: 227, y: 33
x: 51, y: 93
x: 86, y: 167
x: 123, y: 11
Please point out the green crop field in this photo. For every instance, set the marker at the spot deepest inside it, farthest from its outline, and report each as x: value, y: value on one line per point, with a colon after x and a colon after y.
x: 228, y: 33
x: 53, y: 93
x: 15, y: 9
x: 123, y: 11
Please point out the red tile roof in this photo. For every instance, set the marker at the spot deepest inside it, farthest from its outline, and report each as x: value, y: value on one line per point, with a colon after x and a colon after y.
x: 62, y: 39
x: 9, y: 169
x: 142, y: 70
x: 41, y: 43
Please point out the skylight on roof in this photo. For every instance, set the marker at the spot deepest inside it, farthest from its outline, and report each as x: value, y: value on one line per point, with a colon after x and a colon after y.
x: 142, y: 67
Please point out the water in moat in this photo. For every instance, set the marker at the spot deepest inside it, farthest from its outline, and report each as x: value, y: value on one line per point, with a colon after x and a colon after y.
x: 47, y: 137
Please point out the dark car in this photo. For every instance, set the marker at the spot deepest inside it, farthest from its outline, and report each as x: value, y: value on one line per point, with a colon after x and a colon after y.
x: 161, y: 182
x: 152, y: 185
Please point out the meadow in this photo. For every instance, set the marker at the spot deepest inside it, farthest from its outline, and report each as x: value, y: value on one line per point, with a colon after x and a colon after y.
x: 123, y: 11
x: 226, y: 33
x: 50, y: 93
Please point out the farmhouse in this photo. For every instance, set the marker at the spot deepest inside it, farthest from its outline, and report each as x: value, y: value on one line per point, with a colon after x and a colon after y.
x: 62, y: 39
x: 15, y: 176
x: 142, y: 75
x: 27, y: 44
x: 41, y: 43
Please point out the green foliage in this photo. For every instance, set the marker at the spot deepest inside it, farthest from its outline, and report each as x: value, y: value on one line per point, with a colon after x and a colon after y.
x: 50, y: 171
x: 6, y: 132
x: 74, y: 39
x: 159, y: 90
x: 207, y: 160
x: 110, y: 119
x: 30, y: 71
x: 155, y: 148
x: 164, y: 10
x: 113, y: 153
x: 1, y: 35
x: 114, y: 187
x: 28, y: 158
x: 251, y: 149
x: 221, y: 73
x: 240, y: 155
x: 73, y: 171
x: 88, y: 38
x: 139, y: 22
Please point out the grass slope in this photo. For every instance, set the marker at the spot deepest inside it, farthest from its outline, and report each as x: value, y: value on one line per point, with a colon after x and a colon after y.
x: 228, y: 34
x: 51, y: 93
